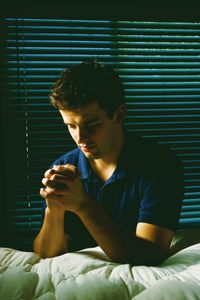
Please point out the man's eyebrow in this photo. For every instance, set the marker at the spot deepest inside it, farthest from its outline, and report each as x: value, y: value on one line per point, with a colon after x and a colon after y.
x: 92, y: 120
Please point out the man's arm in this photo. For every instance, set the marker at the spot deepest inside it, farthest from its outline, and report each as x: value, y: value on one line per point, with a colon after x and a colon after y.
x: 148, y: 245
x: 51, y: 240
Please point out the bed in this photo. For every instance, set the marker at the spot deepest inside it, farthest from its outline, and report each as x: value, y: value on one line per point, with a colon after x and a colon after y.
x: 89, y: 274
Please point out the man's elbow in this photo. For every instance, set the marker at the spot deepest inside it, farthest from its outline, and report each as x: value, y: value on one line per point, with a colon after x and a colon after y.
x: 136, y: 260
x: 151, y: 255
x: 48, y: 252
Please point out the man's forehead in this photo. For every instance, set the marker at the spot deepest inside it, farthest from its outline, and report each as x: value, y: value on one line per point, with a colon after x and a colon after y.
x: 85, y: 113
x: 89, y: 109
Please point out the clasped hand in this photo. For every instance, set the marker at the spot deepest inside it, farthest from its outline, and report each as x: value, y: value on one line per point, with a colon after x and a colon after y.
x: 63, y: 188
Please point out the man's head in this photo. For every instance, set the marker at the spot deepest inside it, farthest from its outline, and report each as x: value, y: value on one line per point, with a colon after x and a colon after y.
x: 90, y: 98
x: 85, y: 83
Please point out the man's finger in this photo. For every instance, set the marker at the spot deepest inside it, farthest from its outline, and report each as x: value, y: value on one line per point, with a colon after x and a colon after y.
x: 49, y: 173
x: 62, y: 177
x: 46, y: 195
x: 67, y: 169
x: 43, y: 193
x: 55, y: 183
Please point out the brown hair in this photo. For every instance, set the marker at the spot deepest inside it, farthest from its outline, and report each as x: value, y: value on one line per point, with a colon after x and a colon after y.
x: 87, y: 82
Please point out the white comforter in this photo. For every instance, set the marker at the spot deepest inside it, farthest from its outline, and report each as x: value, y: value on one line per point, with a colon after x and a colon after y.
x: 89, y: 275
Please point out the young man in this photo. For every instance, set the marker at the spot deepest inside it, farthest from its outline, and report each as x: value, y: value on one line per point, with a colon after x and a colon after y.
x: 114, y: 190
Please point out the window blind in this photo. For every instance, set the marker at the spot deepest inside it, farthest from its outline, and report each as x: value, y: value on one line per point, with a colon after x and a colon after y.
x: 159, y: 65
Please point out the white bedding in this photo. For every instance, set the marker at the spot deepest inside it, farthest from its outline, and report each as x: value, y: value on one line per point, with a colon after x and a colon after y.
x: 88, y: 274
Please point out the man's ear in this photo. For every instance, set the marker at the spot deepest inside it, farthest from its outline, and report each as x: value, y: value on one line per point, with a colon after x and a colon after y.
x: 120, y: 113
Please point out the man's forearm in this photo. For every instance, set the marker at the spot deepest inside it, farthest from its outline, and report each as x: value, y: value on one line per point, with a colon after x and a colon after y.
x: 120, y: 245
x: 51, y: 240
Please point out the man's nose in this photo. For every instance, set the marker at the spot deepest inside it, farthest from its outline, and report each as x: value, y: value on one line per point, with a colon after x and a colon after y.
x: 81, y: 135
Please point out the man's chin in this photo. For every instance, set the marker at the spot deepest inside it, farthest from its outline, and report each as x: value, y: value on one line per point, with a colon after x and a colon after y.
x: 91, y: 155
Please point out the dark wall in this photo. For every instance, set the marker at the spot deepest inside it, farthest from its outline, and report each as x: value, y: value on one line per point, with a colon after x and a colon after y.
x: 144, y: 10
x: 3, y: 138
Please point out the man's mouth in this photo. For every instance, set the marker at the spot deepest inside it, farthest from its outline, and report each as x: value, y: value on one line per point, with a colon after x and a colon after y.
x: 86, y: 147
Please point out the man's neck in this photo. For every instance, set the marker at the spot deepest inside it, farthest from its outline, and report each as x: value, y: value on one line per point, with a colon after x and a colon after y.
x: 105, y: 166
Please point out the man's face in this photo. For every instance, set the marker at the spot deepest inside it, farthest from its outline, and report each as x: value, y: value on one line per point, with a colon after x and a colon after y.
x: 92, y: 130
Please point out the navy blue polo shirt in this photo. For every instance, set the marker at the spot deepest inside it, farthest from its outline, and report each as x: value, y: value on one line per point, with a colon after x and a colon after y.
x: 146, y: 186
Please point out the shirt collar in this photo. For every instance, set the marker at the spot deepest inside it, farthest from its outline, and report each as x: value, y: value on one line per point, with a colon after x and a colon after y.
x: 123, y: 163
x: 120, y: 171
x: 83, y: 166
